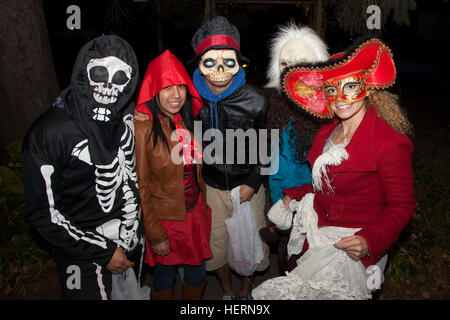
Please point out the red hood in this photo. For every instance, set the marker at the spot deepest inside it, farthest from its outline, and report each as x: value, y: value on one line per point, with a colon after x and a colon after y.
x: 164, y: 71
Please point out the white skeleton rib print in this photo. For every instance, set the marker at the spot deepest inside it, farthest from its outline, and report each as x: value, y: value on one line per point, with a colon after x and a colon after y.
x: 120, y: 173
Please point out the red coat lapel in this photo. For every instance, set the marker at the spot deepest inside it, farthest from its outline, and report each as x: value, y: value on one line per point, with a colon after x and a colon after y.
x: 360, y: 149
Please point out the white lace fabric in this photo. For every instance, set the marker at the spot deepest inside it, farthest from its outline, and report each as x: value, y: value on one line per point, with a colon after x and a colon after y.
x: 323, y: 272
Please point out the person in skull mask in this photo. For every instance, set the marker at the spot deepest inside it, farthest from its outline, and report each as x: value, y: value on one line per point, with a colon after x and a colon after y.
x: 80, y: 176
x: 290, y: 45
x: 229, y: 103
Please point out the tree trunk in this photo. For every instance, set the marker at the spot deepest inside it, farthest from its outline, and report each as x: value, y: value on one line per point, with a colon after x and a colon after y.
x: 319, y: 27
x: 207, y: 13
x: 28, y: 83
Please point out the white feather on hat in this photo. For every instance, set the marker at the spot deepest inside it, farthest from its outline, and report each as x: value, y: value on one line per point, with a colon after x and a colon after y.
x: 292, y: 31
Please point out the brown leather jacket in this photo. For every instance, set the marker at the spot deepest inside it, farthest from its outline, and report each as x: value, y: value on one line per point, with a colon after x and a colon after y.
x: 160, y: 181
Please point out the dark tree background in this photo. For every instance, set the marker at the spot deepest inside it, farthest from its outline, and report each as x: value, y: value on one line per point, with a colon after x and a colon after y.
x: 28, y: 81
x: 34, y: 39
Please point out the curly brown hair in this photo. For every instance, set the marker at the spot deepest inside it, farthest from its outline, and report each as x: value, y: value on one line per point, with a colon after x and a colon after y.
x: 305, y: 126
x: 388, y: 108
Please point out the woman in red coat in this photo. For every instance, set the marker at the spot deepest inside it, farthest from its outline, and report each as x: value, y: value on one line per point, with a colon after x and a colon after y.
x: 361, y: 164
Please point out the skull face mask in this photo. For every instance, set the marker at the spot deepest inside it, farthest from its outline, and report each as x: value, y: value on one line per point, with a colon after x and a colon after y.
x: 104, y: 78
x: 108, y: 78
x: 219, y: 66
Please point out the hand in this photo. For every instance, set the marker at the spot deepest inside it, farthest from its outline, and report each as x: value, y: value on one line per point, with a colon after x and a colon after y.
x: 162, y: 248
x: 141, y: 116
x: 246, y: 193
x: 354, y: 246
x: 119, y: 262
x: 286, y: 201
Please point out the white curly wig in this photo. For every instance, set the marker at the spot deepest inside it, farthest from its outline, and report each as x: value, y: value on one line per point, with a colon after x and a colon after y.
x: 307, y: 37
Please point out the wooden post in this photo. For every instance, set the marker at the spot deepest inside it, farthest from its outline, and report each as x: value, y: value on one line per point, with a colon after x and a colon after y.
x: 159, y: 33
x: 207, y: 15
x: 319, y: 18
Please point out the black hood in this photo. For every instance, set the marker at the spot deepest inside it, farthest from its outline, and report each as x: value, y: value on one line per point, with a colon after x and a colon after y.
x: 112, y: 64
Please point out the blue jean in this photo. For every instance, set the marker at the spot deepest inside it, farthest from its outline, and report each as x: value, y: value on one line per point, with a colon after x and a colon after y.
x: 164, y: 276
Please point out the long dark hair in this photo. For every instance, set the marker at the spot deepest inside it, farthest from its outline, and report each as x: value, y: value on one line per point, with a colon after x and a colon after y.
x: 304, y: 126
x: 185, y: 112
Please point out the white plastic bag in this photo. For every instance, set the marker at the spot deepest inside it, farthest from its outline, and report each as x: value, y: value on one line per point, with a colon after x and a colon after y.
x: 126, y: 287
x: 245, y: 246
x: 280, y: 216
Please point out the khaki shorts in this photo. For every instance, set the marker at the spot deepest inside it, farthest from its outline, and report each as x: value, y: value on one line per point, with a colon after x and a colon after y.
x: 222, y: 209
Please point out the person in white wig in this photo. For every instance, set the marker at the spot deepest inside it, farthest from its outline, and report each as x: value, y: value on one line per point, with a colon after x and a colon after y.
x: 290, y: 45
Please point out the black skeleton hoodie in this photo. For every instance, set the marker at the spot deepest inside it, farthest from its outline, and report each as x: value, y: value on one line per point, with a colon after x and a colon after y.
x: 78, y: 157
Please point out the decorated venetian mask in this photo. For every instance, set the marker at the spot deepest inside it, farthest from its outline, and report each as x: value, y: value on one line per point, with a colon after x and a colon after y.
x: 349, y: 88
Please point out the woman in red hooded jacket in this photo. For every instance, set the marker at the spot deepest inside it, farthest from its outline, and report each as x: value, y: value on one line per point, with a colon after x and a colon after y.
x: 177, y: 220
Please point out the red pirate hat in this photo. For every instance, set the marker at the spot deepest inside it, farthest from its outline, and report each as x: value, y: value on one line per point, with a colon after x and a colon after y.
x: 370, y: 63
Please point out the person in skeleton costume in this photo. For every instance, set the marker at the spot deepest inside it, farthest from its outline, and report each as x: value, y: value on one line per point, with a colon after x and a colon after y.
x: 292, y: 44
x: 177, y: 220
x: 362, y: 193
x: 80, y: 175
x: 229, y: 103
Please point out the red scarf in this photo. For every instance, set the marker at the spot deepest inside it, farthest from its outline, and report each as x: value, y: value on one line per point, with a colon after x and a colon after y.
x: 190, y: 150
